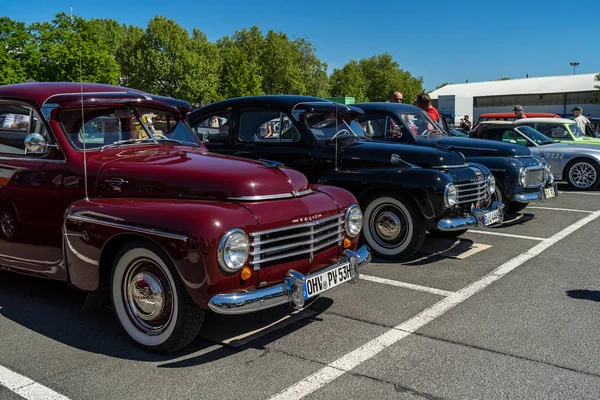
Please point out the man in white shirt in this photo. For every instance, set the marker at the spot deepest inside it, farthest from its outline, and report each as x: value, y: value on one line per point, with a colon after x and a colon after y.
x: 581, y: 120
x: 15, y: 121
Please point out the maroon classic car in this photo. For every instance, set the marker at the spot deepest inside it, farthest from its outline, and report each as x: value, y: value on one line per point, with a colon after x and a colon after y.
x: 168, y: 229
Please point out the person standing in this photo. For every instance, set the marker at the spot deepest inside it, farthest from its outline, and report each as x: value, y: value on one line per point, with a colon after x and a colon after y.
x: 582, y: 121
x: 396, y: 97
x: 424, y: 103
x: 519, y: 113
x: 465, y: 124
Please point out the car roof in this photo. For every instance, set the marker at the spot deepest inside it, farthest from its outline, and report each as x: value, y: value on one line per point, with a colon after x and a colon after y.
x: 383, y: 106
x: 497, y: 123
x: 512, y: 114
x: 282, y: 100
x: 41, y: 92
x: 546, y: 120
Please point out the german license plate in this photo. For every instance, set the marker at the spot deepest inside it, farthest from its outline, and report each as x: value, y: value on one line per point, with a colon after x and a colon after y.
x: 550, y: 193
x: 321, y: 282
x: 491, y: 217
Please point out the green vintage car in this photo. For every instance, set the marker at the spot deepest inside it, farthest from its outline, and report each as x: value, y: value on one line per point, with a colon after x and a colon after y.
x: 559, y: 130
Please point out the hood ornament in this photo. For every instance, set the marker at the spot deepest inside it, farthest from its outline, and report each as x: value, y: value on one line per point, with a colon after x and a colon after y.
x: 270, y: 163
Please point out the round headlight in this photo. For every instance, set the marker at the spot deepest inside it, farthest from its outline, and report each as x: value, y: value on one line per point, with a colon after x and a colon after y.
x: 492, y: 182
x: 233, y: 250
x: 523, y: 177
x: 354, y: 220
x: 450, y: 195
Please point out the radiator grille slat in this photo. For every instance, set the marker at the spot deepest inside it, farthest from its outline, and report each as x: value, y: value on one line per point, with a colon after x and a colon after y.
x: 472, y: 192
x: 295, y: 241
x: 534, y: 177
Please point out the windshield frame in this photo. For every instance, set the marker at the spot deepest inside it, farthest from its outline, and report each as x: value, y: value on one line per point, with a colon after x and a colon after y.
x: 530, y: 140
x: 136, y: 113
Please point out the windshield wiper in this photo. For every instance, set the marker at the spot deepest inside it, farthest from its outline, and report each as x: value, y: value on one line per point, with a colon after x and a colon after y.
x: 120, y: 142
x: 170, y: 140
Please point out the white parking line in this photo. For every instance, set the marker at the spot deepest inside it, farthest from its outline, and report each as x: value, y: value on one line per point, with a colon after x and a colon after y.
x: 351, y: 360
x: 588, y: 193
x: 406, y: 285
x: 560, y: 209
x: 27, y: 388
x: 506, y: 235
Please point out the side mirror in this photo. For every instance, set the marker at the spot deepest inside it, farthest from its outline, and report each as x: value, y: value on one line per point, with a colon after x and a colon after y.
x: 35, y: 144
x: 204, y: 137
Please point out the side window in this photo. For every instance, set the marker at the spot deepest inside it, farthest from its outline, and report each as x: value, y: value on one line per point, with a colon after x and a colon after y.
x: 267, y: 127
x: 544, y: 129
x: 493, y: 134
x: 558, y: 132
x: 215, y: 128
x: 17, y: 120
x: 374, y: 125
x: 508, y: 136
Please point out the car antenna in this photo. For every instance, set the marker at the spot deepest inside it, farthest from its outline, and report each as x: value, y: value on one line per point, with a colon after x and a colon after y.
x: 335, y: 133
x: 85, y: 177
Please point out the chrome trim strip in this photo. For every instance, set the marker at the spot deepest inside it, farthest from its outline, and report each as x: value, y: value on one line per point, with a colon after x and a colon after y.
x: 300, y: 252
x: 282, y: 293
x: 296, y: 244
x: 78, y: 218
x: 271, y: 196
x: 25, y: 159
x: 307, y: 224
x: 528, y: 197
x: 469, y: 221
x: 450, y: 166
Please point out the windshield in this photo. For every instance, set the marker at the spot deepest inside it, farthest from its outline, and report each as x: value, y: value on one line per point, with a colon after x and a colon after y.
x: 110, y: 125
x: 576, y: 130
x: 534, y: 135
x: 329, y: 125
x: 420, y: 124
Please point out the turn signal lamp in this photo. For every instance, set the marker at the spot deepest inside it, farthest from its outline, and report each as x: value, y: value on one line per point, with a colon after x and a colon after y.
x: 347, y: 243
x: 246, y: 273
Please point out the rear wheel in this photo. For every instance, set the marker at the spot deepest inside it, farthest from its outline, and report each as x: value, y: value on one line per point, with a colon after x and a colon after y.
x: 583, y: 174
x: 394, y: 226
x: 150, y: 302
x: 9, y: 225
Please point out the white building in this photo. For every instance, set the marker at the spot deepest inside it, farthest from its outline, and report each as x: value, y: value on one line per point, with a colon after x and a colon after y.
x: 551, y: 94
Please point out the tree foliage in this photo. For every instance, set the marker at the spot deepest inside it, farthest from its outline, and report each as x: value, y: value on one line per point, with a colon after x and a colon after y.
x: 597, y: 87
x: 374, y: 79
x: 442, y: 85
x: 166, y: 59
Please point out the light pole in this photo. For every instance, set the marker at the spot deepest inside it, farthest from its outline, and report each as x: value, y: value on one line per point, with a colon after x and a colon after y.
x: 574, y: 65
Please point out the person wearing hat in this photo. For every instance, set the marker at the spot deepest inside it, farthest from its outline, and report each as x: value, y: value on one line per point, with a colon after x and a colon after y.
x: 518, y: 110
x: 581, y: 120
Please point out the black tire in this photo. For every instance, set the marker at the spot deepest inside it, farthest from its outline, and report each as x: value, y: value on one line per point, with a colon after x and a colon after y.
x: 515, y: 207
x: 447, y: 234
x: 582, y: 174
x: 9, y: 225
x: 171, y: 320
x: 402, y: 221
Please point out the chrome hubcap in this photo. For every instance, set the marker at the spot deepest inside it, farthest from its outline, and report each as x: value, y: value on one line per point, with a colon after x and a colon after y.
x: 582, y: 175
x: 8, y: 224
x: 148, y: 296
x: 388, y: 226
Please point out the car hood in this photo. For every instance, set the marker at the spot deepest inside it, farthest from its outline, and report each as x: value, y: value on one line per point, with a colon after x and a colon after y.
x: 182, y: 172
x: 476, y: 147
x: 588, y: 140
x: 374, y: 154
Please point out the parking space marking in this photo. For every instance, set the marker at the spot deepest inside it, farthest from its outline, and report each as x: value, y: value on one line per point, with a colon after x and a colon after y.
x: 406, y: 285
x: 511, y: 235
x: 353, y: 359
x: 27, y: 388
x: 560, y: 209
x: 588, y: 193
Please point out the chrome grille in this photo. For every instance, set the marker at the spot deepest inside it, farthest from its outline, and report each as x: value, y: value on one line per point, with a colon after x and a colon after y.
x: 296, y: 241
x: 534, y: 176
x: 471, y: 192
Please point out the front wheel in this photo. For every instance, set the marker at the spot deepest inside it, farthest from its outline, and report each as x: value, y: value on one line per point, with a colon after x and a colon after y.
x: 583, y: 174
x: 515, y: 207
x: 394, y: 226
x: 150, y: 302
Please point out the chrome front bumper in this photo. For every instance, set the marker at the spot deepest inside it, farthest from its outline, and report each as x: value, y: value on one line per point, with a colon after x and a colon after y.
x: 539, y: 195
x: 291, y: 290
x: 469, y: 221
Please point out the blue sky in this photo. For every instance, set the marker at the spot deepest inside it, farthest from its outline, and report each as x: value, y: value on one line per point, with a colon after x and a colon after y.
x: 441, y: 41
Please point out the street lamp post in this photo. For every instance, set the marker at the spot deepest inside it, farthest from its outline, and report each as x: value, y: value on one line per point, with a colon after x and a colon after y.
x: 574, y: 65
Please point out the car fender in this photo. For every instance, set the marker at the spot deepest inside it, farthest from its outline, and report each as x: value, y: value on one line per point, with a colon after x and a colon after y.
x: 187, y: 231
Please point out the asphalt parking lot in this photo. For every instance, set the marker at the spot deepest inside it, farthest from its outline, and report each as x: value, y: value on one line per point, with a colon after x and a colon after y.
x: 510, y: 312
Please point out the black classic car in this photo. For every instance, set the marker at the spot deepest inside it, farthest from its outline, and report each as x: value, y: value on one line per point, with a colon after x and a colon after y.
x: 521, y: 177
x: 403, y: 190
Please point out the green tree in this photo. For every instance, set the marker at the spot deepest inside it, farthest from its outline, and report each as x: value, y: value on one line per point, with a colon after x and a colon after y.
x: 506, y: 78
x: 279, y: 66
x: 165, y: 60
x: 442, y: 85
x: 314, y: 72
x: 16, y: 51
x: 64, y: 45
x: 349, y: 81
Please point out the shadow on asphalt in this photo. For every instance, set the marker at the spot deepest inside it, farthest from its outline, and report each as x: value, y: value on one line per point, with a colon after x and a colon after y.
x: 52, y: 309
x: 436, y: 249
x: 582, y: 294
x: 512, y: 219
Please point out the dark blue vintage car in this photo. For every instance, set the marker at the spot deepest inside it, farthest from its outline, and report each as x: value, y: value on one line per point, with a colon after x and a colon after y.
x: 521, y: 177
